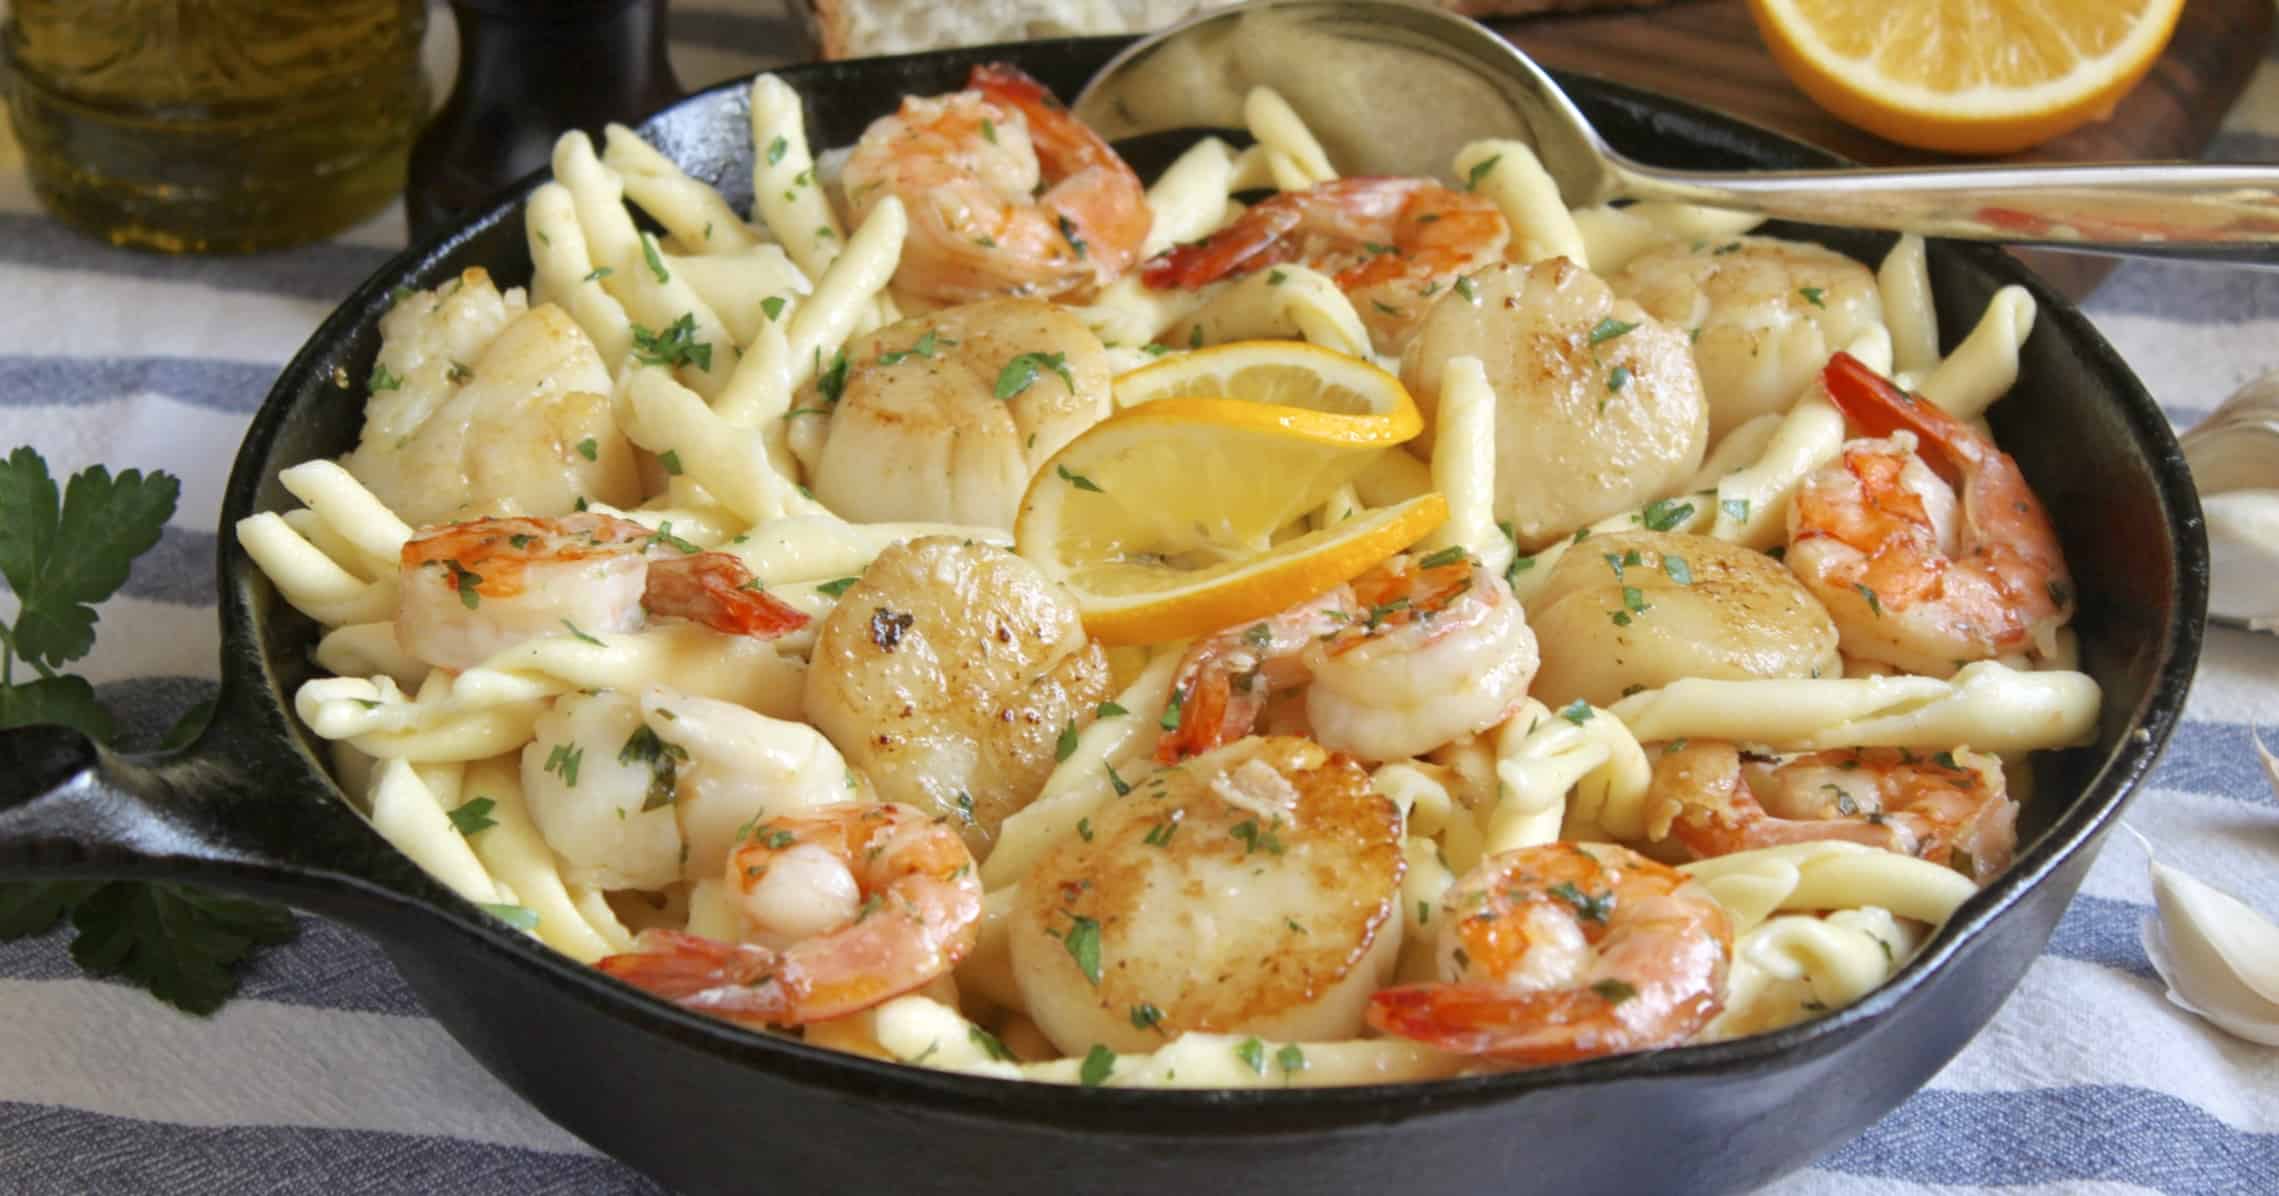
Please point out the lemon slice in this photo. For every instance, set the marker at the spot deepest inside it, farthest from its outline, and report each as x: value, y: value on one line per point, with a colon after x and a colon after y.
x: 1183, y: 517
x: 1284, y: 374
x: 1966, y: 76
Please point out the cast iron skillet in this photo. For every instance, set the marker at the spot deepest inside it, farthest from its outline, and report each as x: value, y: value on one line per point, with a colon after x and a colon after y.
x: 705, y: 1107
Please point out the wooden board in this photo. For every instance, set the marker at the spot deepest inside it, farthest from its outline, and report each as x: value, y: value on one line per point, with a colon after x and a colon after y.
x: 1708, y: 51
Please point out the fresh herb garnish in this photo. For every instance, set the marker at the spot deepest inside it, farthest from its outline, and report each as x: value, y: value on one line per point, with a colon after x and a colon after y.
x: 1473, y: 176
x: 1252, y: 1053
x: 656, y: 263
x: 1020, y: 372
x: 1662, y: 514
x: 473, y: 817
x: 676, y: 345
x: 1083, y: 943
x: 1099, y: 1064
x: 1577, y: 712
x: 1610, y: 328
x: 1078, y: 480
x: 837, y: 586
x: 382, y: 379
x: 1066, y: 745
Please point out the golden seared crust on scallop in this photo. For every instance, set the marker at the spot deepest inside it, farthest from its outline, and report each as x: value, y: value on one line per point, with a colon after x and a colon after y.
x: 947, y: 674
x: 1253, y: 889
x: 918, y: 431
x: 1638, y: 610
x: 1598, y: 406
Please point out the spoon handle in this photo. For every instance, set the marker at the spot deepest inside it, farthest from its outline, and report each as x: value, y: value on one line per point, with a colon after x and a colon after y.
x: 2227, y: 213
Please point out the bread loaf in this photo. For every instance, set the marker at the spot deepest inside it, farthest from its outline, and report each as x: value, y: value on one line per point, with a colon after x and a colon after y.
x: 862, y: 28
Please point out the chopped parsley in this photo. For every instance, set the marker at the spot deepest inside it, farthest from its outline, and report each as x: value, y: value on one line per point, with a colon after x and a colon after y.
x: 676, y: 345
x: 1252, y: 1054
x: 656, y: 263
x: 772, y: 307
x: 466, y: 581
x: 664, y: 535
x: 1446, y: 556
x: 1255, y: 840
x: 1275, y: 278
x: 1812, y: 295
x: 989, y: 1043
x: 1021, y: 372
x: 1615, y: 991
x: 473, y: 817
x: 1083, y: 943
x: 671, y: 460
x: 1170, y: 719
x: 1610, y: 328
x: 777, y: 149
x: 926, y: 347
x: 1662, y: 514
x: 1587, y: 907
x: 582, y: 636
x: 1084, y: 829
x: 597, y: 274
x: 663, y: 758
x: 1617, y: 378
x: 837, y: 586
x: 1068, y: 233
x: 1464, y: 287
x: 1736, y: 509
x: 1473, y: 176
x: 1115, y: 782
x: 1109, y: 710
x: 458, y: 372
x: 1066, y: 745
x: 1679, y: 571
x: 832, y: 382
x: 1577, y: 712
x: 1875, y: 603
x: 1291, y: 1058
x: 1099, y: 1064
x: 1160, y: 834
x: 1147, y: 1017
x: 590, y: 449
x: 563, y: 762
x: 382, y: 379
x: 1077, y: 480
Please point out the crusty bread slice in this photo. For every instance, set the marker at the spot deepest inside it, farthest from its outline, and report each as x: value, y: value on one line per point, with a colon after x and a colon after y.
x: 861, y: 28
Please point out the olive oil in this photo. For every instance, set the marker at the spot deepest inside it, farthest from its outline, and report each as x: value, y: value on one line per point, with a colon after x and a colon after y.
x: 215, y: 125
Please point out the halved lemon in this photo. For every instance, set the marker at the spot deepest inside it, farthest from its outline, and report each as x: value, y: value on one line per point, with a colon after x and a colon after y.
x: 1966, y: 76
x: 1284, y: 374
x: 1183, y: 517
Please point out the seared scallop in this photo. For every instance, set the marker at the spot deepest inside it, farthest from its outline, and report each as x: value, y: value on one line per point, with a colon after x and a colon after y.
x: 1598, y: 407
x: 944, y: 416
x: 1251, y: 890
x: 1638, y: 610
x: 948, y: 674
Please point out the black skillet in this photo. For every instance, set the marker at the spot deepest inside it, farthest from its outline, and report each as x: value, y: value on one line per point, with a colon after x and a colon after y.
x: 708, y: 1108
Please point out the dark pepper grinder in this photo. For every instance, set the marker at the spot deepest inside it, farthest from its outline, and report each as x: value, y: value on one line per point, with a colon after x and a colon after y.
x: 529, y: 70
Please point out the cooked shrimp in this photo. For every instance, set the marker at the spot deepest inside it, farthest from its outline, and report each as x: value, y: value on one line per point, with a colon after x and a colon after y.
x: 480, y: 406
x: 641, y: 791
x: 843, y: 907
x: 1764, y: 314
x: 1561, y: 952
x: 948, y: 674
x: 1408, y: 656
x: 1874, y: 535
x: 969, y: 167
x: 472, y: 590
x: 1950, y: 808
x: 1392, y: 245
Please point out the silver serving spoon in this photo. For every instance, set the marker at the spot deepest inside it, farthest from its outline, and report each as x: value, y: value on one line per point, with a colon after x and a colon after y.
x: 1397, y: 88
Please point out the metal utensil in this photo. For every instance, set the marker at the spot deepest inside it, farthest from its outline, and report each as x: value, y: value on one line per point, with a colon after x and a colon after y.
x: 1395, y: 88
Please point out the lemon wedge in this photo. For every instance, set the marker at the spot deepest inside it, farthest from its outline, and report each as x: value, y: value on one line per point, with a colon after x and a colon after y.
x: 1185, y: 516
x: 1966, y: 76
x: 1290, y: 374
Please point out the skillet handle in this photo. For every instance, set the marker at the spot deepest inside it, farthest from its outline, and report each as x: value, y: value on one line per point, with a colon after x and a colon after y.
x: 224, y: 813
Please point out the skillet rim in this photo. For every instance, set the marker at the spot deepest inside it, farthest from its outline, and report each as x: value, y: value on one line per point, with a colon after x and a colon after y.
x: 1269, y: 1112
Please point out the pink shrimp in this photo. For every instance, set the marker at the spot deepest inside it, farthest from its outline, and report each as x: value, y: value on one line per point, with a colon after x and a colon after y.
x: 1949, y: 807
x: 472, y: 590
x: 1873, y: 537
x: 1404, y: 658
x: 1391, y: 244
x: 969, y: 167
x: 844, y: 906
x: 1564, y: 952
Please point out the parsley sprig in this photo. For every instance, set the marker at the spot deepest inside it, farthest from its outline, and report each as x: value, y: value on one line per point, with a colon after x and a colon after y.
x: 64, y: 552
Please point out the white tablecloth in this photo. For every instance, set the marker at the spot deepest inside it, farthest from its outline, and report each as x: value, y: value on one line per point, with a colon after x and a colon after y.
x: 326, y: 1076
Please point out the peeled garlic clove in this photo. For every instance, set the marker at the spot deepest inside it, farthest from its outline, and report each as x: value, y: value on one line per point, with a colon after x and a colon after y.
x: 2243, y: 546
x: 2218, y: 956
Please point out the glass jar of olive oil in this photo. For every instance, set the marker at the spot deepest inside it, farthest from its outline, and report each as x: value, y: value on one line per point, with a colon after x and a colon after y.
x: 194, y: 126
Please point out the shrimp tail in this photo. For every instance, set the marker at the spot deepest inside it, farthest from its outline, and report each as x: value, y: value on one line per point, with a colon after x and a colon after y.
x: 1879, y: 408
x: 1254, y: 240
x: 1205, y: 710
x: 733, y: 980
x: 715, y: 589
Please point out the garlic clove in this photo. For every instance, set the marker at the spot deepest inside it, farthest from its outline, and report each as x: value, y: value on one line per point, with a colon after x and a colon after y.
x: 2243, y: 546
x: 2218, y: 956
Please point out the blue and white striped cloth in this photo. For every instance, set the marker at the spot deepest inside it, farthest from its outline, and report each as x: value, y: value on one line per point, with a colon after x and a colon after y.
x: 326, y: 1076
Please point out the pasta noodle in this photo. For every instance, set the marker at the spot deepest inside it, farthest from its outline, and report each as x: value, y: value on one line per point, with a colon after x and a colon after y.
x: 1509, y: 173
x: 1904, y: 281
x: 1464, y: 466
x: 1984, y: 705
x: 1985, y: 365
x: 1293, y: 156
x: 696, y: 216
x: 1285, y: 301
x: 566, y: 274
